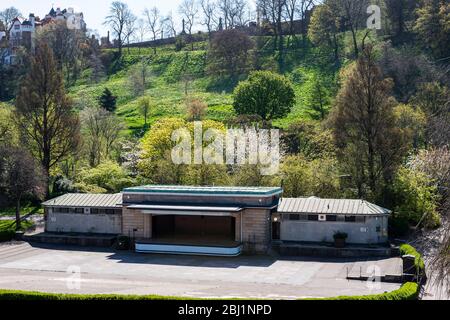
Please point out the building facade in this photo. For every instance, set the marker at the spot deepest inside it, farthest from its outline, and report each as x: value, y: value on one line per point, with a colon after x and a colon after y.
x: 22, y: 32
x: 215, y: 220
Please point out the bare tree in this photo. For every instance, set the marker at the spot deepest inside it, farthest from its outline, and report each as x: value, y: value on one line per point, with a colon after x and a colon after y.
x: 130, y: 30
x: 119, y: 17
x: 169, y: 24
x: 351, y: 14
x: 8, y: 15
x: 101, y: 130
x: 141, y: 32
x: 153, y: 23
x: 274, y: 12
x: 234, y: 13
x: 209, y: 8
x: 189, y: 11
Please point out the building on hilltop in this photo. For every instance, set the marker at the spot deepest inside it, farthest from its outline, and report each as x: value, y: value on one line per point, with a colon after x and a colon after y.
x: 22, y: 32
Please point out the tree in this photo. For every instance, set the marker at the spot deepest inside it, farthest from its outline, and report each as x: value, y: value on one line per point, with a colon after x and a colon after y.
x: 209, y: 8
x: 138, y: 78
x: 318, y: 98
x: 144, y: 108
x: 351, y: 15
x: 153, y: 23
x: 44, y: 113
x: 20, y: 176
x: 68, y: 47
x: 8, y: 132
x: 229, y: 53
x: 234, y: 13
x: 8, y: 15
x: 274, y: 12
x: 400, y: 13
x: 107, y: 100
x: 170, y: 25
x: 130, y: 30
x: 433, y: 27
x: 188, y: 9
x: 434, y: 99
x: 107, y: 177
x: 416, y: 198
x: 101, y: 130
x: 301, y: 178
x: 266, y: 94
x: 119, y: 16
x: 196, y: 109
x: 370, y: 143
x: 323, y: 30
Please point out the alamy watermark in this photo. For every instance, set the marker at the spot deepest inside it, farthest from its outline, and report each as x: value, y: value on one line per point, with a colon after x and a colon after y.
x: 374, y: 20
x: 73, y: 280
x: 234, y: 146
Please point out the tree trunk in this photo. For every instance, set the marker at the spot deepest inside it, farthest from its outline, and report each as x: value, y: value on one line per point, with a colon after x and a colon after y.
x: 355, y: 43
x: 18, y: 224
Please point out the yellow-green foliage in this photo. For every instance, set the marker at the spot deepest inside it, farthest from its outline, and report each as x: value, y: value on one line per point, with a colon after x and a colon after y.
x: 106, y: 177
x: 416, y: 196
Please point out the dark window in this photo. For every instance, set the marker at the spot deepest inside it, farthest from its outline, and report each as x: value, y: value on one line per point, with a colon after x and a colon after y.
x: 101, y: 211
x: 361, y: 219
x: 294, y: 217
x: 118, y: 211
x: 94, y: 211
x: 313, y: 217
x: 63, y: 210
x: 331, y: 218
x: 350, y: 219
x: 109, y: 211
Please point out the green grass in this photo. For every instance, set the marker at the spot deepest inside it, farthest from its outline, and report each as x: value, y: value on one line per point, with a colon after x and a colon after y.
x: 408, y: 291
x: 27, y: 209
x: 171, y: 70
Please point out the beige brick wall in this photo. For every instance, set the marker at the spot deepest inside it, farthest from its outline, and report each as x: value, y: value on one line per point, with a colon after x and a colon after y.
x: 133, y: 219
x: 256, y: 230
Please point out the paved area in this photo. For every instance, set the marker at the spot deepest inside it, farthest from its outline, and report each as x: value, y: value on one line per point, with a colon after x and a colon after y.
x: 49, y: 269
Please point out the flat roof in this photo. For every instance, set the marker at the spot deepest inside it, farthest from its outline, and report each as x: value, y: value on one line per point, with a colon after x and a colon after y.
x: 74, y: 200
x: 314, y: 205
x: 216, y: 191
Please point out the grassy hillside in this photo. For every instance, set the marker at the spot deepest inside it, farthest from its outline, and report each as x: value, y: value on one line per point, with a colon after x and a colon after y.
x: 175, y: 73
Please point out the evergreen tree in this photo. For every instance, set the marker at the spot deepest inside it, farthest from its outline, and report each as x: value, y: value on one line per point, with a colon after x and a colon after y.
x: 107, y: 100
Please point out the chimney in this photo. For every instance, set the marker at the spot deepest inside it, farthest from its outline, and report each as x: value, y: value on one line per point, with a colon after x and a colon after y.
x: 32, y: 19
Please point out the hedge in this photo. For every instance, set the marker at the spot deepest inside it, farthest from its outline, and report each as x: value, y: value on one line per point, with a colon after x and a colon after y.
x: 41, y: 296
x: 408, y: 291
x: 406, y: 249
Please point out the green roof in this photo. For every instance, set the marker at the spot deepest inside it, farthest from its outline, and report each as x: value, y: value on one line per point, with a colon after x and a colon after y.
x: 241, y: 191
